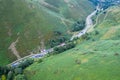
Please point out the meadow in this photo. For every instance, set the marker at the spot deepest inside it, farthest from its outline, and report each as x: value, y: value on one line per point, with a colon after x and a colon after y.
x: 95, y: 58
x: 33, y: 22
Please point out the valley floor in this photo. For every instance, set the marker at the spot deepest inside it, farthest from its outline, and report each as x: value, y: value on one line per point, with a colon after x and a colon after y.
x: 95, y: 58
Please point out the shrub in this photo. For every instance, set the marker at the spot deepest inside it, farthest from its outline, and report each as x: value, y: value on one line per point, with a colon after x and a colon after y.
x: 56, y: 41
x: 77, y: 61
x: 20, y: 77
x: 79, y: 25
x: 18, y: 71
x: 25, y: 63
x: 64, y: 48
x: 40, y: 60
x: 3, y: 77
x: 10, y: 75
x: 96, y: 32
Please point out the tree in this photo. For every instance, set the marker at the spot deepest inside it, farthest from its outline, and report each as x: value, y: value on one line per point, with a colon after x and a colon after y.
x: 70, y: 45
x: 85, y: 36
x: 64, y: 48
x: 3, y: 77
x: 18, y: 71
x: 4, y: 70
x: 40, y: 60
x: 79, y: 25
x: 1, y: 71
x: 96, y: 32
x: 57, y: 40
x: 25, y: 63
x: 20, y: 77
x: 10, y: 75
x: 57, y: 33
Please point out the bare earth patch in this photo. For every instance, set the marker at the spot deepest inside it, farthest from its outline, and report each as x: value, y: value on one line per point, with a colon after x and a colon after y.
x: 109, y: 33
x: 84, y: 60
x: 13, y: 48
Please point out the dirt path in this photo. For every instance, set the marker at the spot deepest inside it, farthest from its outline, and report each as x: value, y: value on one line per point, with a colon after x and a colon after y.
x: 47, y: 4
x: 13, y: 48
x: 106, y: 15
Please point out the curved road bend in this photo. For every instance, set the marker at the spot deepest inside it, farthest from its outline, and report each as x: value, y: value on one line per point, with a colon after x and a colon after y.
x: 89, y: 23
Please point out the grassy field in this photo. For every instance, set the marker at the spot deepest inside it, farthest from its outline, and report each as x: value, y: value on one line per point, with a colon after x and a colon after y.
x: 95, y: 59
x: 34, y: 22
x: 71, y: 9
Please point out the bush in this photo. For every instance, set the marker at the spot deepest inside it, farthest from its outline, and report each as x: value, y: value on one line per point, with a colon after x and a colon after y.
x: 85, y: 36
x: 3, y: 77
x: 25, y: 63
x: 40, y: 60
x: 79, y: 25
x: 77, y: 61
x: 4, y: 70
x: 56, y: 41
x: 18, y: 71
x: 20, y: 77
x: 96, y: 32
x: 10, y: 75
x: 64, y: 48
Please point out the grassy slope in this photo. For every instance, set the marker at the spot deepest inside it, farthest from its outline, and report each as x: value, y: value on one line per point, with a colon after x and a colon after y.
x: 33, y: 22
x: 72, y: 9
x: 17, y: 17
x: 90, y: 60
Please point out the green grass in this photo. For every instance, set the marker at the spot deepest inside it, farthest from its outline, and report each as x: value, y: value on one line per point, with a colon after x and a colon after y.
x: 74, y: 9
x: 97, y: 63
x: 35, y: 23
x: 89, y: 60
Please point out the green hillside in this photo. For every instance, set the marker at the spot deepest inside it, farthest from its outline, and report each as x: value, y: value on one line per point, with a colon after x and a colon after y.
x: 31, y: 23
x: 95, y: 58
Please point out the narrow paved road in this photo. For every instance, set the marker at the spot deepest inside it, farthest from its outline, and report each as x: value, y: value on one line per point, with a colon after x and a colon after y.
x: 89, y: 23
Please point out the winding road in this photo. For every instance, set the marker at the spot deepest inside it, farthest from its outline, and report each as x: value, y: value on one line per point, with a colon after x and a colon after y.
x: 89, y: 24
